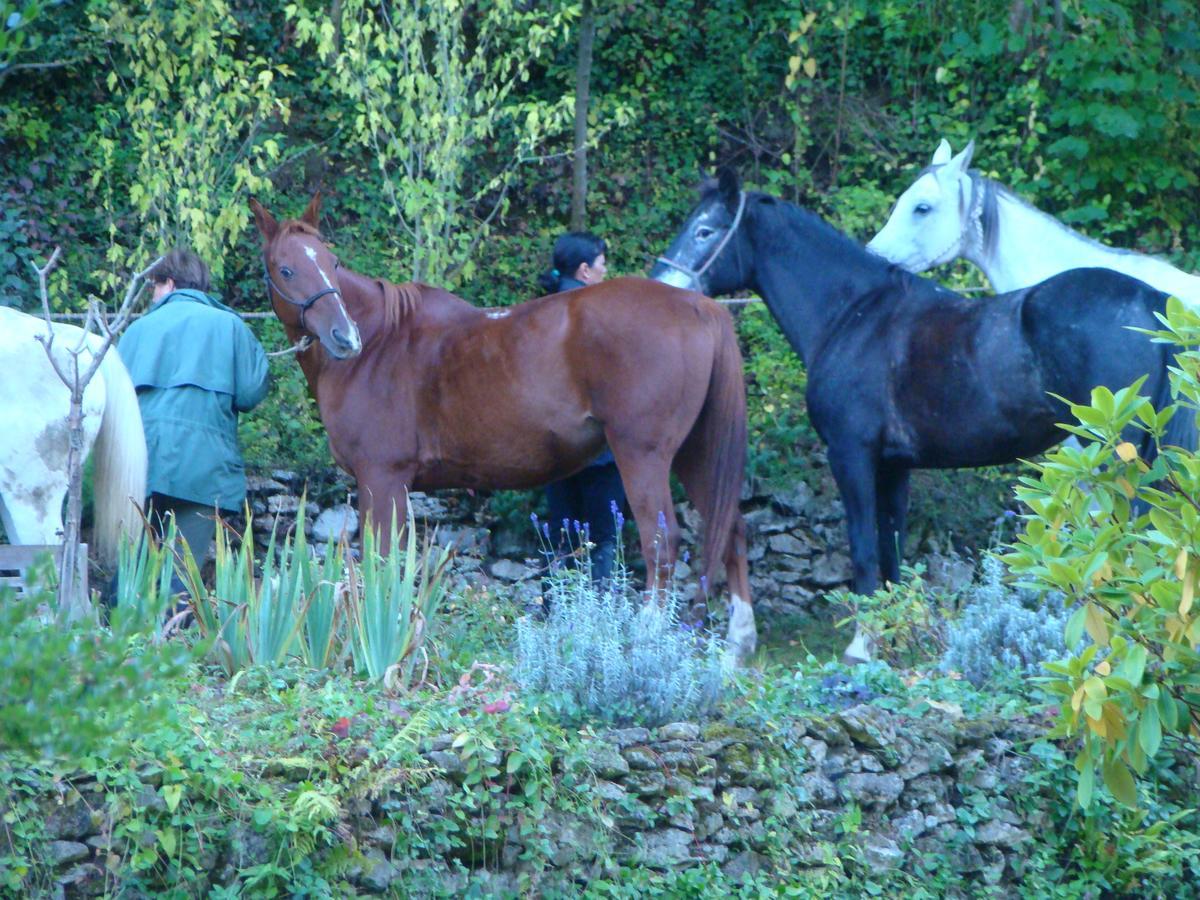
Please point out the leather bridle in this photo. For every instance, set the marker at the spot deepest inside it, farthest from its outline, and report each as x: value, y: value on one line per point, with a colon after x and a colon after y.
x: 694, y: 274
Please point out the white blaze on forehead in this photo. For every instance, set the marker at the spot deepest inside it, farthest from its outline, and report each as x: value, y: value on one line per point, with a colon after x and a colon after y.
x: 311, y: 253
x: 498, y: 314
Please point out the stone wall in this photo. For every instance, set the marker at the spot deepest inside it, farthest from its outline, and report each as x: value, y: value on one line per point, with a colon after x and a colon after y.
x: 864, y: 787
x: 797, y: 543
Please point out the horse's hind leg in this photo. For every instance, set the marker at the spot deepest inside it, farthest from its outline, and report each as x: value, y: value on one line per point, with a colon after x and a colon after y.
x: 891, y: 492
x: 648, y: 489
x: 742, y: 635
x: 855, y: 471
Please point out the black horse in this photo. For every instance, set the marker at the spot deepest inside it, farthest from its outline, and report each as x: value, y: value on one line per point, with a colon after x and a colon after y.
x: 904, y: 374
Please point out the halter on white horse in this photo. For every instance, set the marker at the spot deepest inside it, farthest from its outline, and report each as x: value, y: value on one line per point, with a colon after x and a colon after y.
x: 34, y: 404
x: 950, y: 212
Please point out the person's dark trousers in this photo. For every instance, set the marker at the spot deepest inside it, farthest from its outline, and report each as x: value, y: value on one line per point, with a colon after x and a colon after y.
x: 587, y: 497
x: 194, y: 522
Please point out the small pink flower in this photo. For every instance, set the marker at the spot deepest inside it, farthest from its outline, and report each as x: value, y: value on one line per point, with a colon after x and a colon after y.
x: 497, y: 706
x: 341, y: 728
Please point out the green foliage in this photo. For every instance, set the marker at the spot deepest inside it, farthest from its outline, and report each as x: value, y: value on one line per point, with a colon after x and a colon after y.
x: 69, y: 690
x: 194, y: 111
x: 393, y: 595
x: 432, y: 89
x: 906, y: 622
x: 1132, y: 693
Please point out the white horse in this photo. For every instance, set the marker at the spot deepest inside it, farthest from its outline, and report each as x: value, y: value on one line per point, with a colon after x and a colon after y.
x: 950, y: 211
x: 34, y: 437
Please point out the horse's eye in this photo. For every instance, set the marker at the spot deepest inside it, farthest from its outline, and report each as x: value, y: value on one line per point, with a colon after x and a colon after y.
x: 703, y: 233
x: 922, y: 209
x: 286, y: 272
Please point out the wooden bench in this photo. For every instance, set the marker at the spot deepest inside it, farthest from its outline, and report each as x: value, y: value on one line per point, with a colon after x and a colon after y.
x: 16, y: 560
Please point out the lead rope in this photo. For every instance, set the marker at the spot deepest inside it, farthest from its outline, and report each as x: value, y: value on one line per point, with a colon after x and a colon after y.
x: 299, y: 347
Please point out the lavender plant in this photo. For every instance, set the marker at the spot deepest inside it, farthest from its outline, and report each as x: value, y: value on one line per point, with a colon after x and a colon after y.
x: 1004, y: 627
x: 605, y: 653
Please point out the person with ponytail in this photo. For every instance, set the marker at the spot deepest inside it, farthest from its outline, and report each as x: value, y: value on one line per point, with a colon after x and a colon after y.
x: 588, y: 502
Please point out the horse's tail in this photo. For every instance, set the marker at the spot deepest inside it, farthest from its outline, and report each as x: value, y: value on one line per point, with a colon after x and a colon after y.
x: 1181, y: 431
x: 721, y: 430
x: 119, y: 459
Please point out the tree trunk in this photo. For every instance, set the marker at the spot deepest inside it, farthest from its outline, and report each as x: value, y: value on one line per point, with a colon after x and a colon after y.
x: 583, y: 80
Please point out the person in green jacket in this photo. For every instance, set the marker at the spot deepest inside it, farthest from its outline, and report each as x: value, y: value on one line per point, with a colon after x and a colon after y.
x: 195, y: 366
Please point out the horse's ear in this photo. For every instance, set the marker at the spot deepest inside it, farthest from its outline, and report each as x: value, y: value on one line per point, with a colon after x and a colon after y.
x: 965, y: 157
x: 729, y: 184
x: 264, y: 220
x: 313, y: 213
x: 942, y: 154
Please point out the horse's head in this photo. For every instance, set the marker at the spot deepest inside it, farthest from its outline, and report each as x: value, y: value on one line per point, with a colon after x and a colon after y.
x: 930, y: 223
x: 701, y: 257
x: 302, y: 280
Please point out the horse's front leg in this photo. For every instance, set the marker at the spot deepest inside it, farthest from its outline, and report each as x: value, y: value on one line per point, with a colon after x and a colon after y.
x: 383, y: 499
x: 891, y: 492
x: 855, y: 470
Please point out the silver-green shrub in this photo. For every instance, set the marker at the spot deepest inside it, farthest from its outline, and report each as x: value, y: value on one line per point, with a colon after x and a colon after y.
x: 605, y: 653
x: 1004, y: 627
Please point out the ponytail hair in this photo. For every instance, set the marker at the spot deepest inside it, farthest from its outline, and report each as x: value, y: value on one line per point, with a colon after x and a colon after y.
x: 571, y: 250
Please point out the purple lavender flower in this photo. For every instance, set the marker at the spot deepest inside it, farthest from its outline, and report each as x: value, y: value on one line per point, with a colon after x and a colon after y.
x: 686, y: 557
x: 546, y: 530
x: 662, y: 521
x: 534, y: 519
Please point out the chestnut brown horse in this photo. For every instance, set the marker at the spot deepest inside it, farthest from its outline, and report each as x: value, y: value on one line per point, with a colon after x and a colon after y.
x: 420, y: 390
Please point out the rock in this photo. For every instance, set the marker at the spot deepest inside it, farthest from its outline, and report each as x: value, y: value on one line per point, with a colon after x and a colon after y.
x: 679, y: 731
x: 87, y: 880
x: 448, y: 762
x: 796, y: 500
x: 870, y: 726
x: 928, y: 756
x: 465, y: 539
x: 607, y: 790
x: 745, y: 863
x: 648, y: 784
x: 881, y: 853
x: 712, y: 852
x: 377, y: 871
x: 262, y: 485
x: 870, y: 789
x: 831, y: 569
x: 68, y: 821
x: 59, y: 853
x: 511, y: 570
x: 664, y: 848
x: 247, y: 848
x: 1000, y: 834
x: 605, y: 761
x: 641, y: 758
x: 330, y: 524
x: 623, y: 737
x: 283, y: 504
x: 911, y: 825
x: 425, y: 507
x: 788, y: 544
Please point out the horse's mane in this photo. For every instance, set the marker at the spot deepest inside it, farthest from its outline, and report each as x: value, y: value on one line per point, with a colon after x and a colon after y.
x: 399, y: 300
x: 1008, y: 194
x: 895, y: 280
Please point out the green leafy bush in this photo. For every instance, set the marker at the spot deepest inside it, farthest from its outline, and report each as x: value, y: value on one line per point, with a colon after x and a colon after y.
x: 1132, y: 692
x: 68, y: 690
